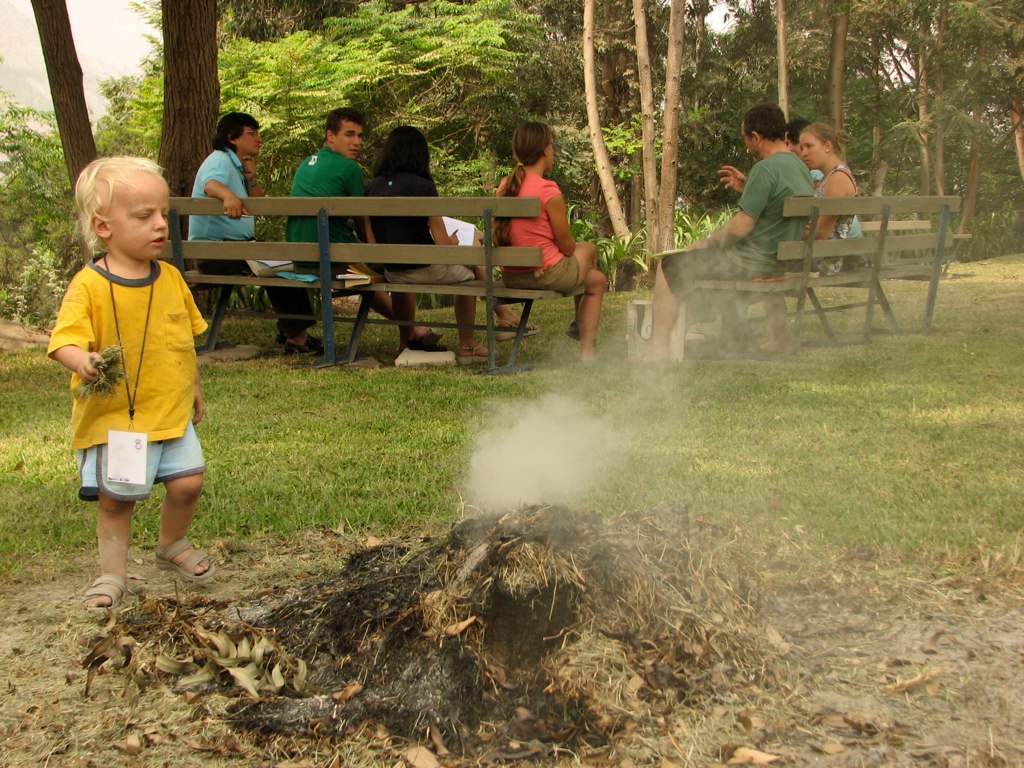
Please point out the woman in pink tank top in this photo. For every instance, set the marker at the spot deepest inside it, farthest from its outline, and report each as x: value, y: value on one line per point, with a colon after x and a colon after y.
x: 567, y: 263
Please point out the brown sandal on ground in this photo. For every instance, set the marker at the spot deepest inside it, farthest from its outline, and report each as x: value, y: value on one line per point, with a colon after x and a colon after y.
x: 471, y: 355
x: 186, y: 569
x: 112, y: 586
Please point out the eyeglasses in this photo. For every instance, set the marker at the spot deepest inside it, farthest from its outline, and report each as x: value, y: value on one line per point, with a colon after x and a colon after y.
x: 250, y: 132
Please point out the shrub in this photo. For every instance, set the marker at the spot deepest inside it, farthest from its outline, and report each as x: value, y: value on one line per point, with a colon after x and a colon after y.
x: 35, y: 295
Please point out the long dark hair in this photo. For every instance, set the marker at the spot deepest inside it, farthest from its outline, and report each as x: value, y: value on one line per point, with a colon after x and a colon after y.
x: 405, y: 151
x: 529, y: 143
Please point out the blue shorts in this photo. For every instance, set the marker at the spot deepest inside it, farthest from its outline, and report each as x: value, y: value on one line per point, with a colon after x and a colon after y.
x: 165, y: 460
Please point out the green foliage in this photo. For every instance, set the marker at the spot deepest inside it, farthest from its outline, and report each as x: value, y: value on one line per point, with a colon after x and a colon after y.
x: 33, y: 297
x: 39, y: 249
x: 690, y: 227
x: 996, y: 234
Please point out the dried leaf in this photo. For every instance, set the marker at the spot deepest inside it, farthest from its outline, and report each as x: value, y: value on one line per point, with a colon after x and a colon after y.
x: 832, y: 748
x: 347, y: 692
x: 437, y: 740
x: 132, y: 745
x: 245, y: 679
x: 421, y: 757
x: 918, y: 681
x: 372, y: 541
x: 748, y: 756
x: 932, y: 645
x: 453, y: 630
x: 750, y: 722
x: 776, y: 639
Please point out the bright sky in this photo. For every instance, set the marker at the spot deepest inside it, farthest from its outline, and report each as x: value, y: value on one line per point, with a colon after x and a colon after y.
x: 110, y: 39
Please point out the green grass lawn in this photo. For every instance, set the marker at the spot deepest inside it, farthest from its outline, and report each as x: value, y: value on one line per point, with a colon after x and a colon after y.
x: 911, y: 445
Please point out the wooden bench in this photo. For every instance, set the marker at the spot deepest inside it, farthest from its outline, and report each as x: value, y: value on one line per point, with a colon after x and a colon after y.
x: 328, y: 259
x: 894, y: 249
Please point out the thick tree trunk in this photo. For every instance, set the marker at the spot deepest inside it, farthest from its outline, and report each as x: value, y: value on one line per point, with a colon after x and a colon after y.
x: 670, y: 130
x: 649, y: 151
x: 1017, y: 116
x: 973, y: 172
x: 601, y: 157
x: 191, y: 89
x: 65, y: 76
x: 780, y: 43
x: 837, y: 63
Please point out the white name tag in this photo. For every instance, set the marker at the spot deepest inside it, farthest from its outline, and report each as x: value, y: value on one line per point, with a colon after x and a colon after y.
x: 126, y: 457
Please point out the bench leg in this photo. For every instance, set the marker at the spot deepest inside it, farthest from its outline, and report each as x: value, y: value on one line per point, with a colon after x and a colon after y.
x: 217, y: 320
x: 352, y: 348
x: 510, y: 365
x: 825, y: 324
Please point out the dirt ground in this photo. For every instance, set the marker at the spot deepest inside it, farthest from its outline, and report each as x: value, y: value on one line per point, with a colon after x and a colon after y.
x: 877, y: 664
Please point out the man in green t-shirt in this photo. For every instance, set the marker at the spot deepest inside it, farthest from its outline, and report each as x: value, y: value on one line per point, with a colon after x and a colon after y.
x: 331, y: 172
x: 335, y: 172
x: 744, y: 247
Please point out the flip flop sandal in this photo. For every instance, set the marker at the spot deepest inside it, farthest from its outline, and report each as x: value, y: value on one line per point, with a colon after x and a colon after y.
x: 509, y: 335
x: 187, y: 568
x: 431, y: 337
x: 112, y: 586
x: 423, y: 344
x: 471, y: 356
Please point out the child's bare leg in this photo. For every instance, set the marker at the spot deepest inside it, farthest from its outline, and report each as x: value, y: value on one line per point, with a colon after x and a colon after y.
x: 113, y: 532
x: 176, y: 515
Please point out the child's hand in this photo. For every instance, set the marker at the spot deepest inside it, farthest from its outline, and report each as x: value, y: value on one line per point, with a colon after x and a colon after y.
x: 198, y: 403
x: 87, y: 367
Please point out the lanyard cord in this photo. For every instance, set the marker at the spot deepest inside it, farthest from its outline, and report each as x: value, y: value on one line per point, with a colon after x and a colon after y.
x: 145, y: 329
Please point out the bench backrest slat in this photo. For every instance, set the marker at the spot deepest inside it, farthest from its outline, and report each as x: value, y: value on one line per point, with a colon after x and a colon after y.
x: 470, y: 207
x: 900, y: 246
x: 868, y: 206
x: 349, y: 253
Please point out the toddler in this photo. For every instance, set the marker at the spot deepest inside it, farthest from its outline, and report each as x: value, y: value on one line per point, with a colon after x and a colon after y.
x: 139, y: 431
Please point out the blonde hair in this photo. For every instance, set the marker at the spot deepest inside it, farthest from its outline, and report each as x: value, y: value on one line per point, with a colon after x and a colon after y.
x: 95, y: 189
x: 529, y: 142
x: 825, y: 133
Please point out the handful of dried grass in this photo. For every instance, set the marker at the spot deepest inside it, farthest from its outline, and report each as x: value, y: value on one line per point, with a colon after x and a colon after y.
x: 110, y: 369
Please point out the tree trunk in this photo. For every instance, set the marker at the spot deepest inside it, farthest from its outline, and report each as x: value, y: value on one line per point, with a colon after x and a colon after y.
x: 924, y: 180
x: 65, y: 76
x: 649, y: 151
x: 191, y: 89
x: 939, y: 161
x: 601, y: 157
x: 1017, y: 116
x: 670, y: 128
x: 837, y: 63
x: 780, y: 42
x: 973, y: 172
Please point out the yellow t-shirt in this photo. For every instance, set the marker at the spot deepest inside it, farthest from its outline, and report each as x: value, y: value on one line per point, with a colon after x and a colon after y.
x: 166, y: 382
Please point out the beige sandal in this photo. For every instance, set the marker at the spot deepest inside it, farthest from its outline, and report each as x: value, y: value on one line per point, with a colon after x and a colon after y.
x: 508, y: 335
x: 471, y: 355
x: 112, y: 586
x: 186, y: 569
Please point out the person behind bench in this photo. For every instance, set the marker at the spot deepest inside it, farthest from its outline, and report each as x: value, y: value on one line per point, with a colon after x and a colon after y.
x: 229, y: 174
x: 334, y: 172
x: 745, y: 247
